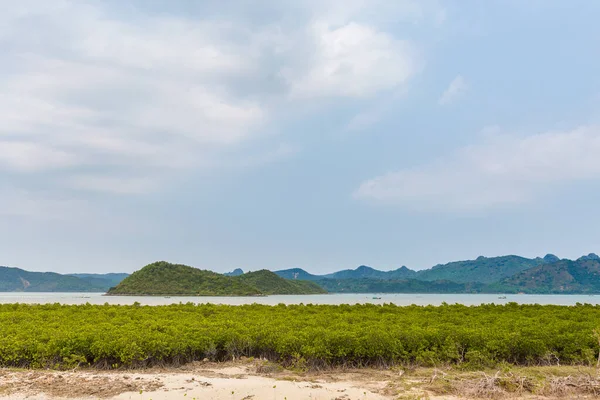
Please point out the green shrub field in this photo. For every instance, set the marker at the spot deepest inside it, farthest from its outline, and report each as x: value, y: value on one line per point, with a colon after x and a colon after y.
x: 303, y: 336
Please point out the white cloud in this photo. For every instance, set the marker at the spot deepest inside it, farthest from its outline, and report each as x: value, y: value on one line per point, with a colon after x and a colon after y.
x: 353, y: 60
x: 457, y: 88
x: 502, y: 170
x: 83, y: 86
x: 80, y: 89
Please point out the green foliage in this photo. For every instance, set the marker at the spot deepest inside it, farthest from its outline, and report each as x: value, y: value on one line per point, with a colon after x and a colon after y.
x: 270, y: 283
x: 300, y: 336
x: 163, y: 278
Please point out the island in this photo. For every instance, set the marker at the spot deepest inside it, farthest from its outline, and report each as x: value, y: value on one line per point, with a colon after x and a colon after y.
x: 162, y: 278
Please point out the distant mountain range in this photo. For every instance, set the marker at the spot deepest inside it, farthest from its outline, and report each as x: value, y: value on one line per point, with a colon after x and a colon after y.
x: 564, y: 276
x: 104, y: 281
x: 504, y: 274
x: 19, y: 280
x: 482, y: 269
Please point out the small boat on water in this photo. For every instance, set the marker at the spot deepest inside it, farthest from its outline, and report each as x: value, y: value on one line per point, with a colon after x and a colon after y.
x: 376, y: 298
x: 502, y: 297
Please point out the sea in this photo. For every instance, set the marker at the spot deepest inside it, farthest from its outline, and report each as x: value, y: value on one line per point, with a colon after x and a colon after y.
x: 401, y: 299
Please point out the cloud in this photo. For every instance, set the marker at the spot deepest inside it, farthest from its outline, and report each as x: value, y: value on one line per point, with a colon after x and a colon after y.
x: 89, y: 87
x: 502, y: 170
x: 353, y: 60
x: 457, y: 88
x: 88, y: 90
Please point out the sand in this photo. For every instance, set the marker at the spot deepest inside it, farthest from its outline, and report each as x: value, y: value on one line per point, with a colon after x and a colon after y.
x: 199, y: 381
x: 218, y: 383
x: 242, y: 380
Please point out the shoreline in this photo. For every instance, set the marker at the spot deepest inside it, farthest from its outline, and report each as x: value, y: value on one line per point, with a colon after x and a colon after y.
x: 106, y: 294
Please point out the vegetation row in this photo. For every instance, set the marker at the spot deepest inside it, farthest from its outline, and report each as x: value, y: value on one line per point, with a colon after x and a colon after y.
x: 303, y: 336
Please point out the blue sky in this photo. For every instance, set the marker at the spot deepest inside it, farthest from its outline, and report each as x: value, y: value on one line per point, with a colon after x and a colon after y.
x: 313, y: 134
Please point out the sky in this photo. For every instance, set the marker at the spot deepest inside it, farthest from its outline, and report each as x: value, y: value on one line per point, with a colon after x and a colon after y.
x: 318, y: 134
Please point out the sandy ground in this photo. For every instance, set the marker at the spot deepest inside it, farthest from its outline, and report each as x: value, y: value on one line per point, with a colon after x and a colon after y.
x: 216, y: 382
x: 223, y: 381
x: 228, y: 381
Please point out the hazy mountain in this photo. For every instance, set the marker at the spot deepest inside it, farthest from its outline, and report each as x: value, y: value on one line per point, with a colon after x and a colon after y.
x: 550, y: 258
x: 298, y: 274
x: 235, y: 272
x: 368, y: 285
x: 564, y: 276
x: 591, y: 256
x: 367, y: 272
x: 17, y: 280
x: 104, y: 281
x: 508, y: 274
x: 483, y: 269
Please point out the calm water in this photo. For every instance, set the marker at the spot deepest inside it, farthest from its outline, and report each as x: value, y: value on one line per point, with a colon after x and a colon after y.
x: 399, y: 299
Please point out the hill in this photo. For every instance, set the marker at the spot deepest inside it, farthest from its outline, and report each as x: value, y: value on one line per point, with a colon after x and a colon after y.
x: 19, y: 280
x: 235, y: 272
x: 298, y: 274
x: 163, y: 278
x: 270, y: 283
x: 103, y: 281
x: 367, y: 272
x: 564, y: 276
x: 483, y: 269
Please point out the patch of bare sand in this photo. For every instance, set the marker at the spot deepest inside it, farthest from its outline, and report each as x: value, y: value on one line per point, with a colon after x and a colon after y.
x: 255, y: 380
x: 29, y: 384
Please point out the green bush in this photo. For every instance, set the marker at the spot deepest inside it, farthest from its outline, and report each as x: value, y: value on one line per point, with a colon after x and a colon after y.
x: 300, y: 336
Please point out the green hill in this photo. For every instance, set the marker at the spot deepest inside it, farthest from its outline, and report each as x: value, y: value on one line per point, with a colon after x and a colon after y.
x: 270, y: 283
x: 483, y: 269
x: 163, y: 278
x: 565, y: 276
x: 18, y: 280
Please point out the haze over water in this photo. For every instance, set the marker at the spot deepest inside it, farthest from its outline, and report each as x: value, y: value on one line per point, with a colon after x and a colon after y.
x: 401, y: 299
